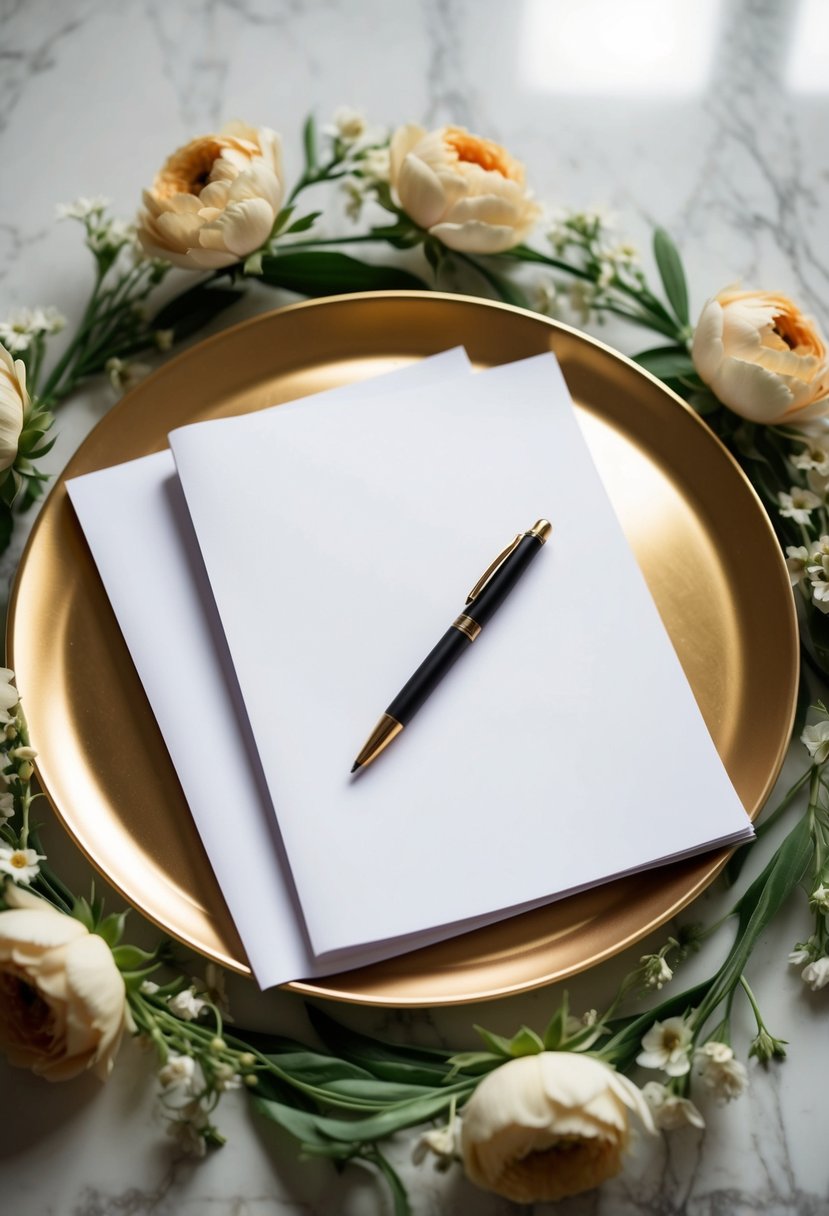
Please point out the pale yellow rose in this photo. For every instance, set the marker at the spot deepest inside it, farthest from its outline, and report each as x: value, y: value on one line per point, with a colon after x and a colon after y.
x: 215, y: 200
x: 14, y: 401
x: 546, y: 1126
x: 762, y: 357
x: 62, y: 1001
x: 466, y: 191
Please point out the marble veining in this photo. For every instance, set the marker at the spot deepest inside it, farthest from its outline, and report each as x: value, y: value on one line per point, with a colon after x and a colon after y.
x: 92, y: 97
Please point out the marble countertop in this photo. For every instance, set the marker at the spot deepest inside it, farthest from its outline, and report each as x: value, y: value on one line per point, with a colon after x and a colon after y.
x: 709, y: 118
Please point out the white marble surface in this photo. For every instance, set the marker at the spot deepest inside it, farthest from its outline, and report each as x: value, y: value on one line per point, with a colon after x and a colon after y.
x: 708, y: 117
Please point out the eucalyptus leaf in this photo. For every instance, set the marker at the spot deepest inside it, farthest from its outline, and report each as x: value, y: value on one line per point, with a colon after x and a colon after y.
x: 672, y: 274
x: 326, y: 273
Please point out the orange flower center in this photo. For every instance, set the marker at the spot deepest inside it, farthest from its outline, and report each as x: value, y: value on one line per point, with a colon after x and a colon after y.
x: 18, y: 861
x: 188, y: 170
x: 797, y: 333
x: 483, y: 152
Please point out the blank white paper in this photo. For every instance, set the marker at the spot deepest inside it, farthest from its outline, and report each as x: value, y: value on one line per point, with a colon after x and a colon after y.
x: 137, y: 526
x: 564, y: 749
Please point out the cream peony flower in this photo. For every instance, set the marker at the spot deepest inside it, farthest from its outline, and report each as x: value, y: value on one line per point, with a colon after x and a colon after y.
x: 62, y: 1001
x: 466, y: 191
x: 14, y: 401
x: 546, y: 1126
x: 215, y: 200
x: 762, y: 357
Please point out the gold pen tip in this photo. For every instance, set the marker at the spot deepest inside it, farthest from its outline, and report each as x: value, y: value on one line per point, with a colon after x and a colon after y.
x: 541, y: 529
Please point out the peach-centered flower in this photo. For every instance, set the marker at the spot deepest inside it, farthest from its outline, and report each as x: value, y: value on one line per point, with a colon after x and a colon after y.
x: 543, y: 1127
x: 215, y: 200
x: 14, y: 401
x: 762, y: 357
x: 466, y: 191
x: 62, y: 1001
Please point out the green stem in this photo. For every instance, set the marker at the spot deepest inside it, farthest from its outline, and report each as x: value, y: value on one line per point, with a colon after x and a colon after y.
x: 784, y: 805
x: 50, y: 393
x: 753, y: 1002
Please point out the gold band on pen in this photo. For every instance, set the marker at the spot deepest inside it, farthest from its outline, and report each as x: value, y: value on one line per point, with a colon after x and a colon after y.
x: 467, y: 626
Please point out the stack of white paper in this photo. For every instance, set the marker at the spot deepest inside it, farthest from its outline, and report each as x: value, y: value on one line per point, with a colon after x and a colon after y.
x: 340, y: 537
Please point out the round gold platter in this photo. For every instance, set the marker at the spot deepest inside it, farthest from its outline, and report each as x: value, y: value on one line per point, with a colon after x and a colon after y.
x: 698, y: 531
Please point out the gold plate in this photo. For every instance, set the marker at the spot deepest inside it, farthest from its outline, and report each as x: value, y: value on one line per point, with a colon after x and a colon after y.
x: 699, y: 532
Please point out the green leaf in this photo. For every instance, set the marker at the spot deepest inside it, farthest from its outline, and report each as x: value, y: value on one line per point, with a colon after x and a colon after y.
x: 6, y: 526
x: 666, y: 361
x: 496, y: 1043
x: 324, y: 273
x: 309, y: 142
x: 556, y: 1030
x: 303, y: 224
x: 507, y: 291
x: 388, y: 1061
x: 188, y: 312
x: 131, y: 958
x: 673, y: 276
x: 301, y: 1124
x: 525, y: 1043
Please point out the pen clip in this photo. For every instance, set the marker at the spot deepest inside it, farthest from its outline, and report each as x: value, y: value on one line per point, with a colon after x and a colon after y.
x: 492, y: 567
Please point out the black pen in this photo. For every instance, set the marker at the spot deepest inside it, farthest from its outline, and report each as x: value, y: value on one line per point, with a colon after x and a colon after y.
x: 483, y: 600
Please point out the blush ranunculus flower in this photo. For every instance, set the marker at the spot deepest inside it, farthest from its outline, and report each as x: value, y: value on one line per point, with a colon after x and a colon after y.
x: 14, y: 401
x: 543, y: 1127
x: 762, y: 357
x: 215, y: 200
x: 466, y: 191
x: 62, y: 1000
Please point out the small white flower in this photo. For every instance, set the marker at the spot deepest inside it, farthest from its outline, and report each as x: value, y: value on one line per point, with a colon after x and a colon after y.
x: 543, y: 296
x: 83, y: 208
x: 21, y: 864
x: 225, y: 1077
x: 669, y: 1110
x: 6, y: 806
x: 164, y: 338
x: 148, y: 988
x: 444, y: 1142
x: 819, y: 899
x: 797, y: 559
x: 798, y: 504
x: 721, y: 1074
x: 24, y: 324
x: 655, y: 971
x: 375, y: 164
x: 813, y: 457
x: 8, y: 694
x: 186, y: 1004
x: 178, y: 1073
x: 350, y: 125
x: 801, y: 954
x: 187, y: 1134
x: 816, y: 739
x: 582, y: 297
x: 667, y: 1045
x: 215, y: 990
x: 123, y: 374
x: 816, y: 975
x: 23, y: 753
x: 111, y: 236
